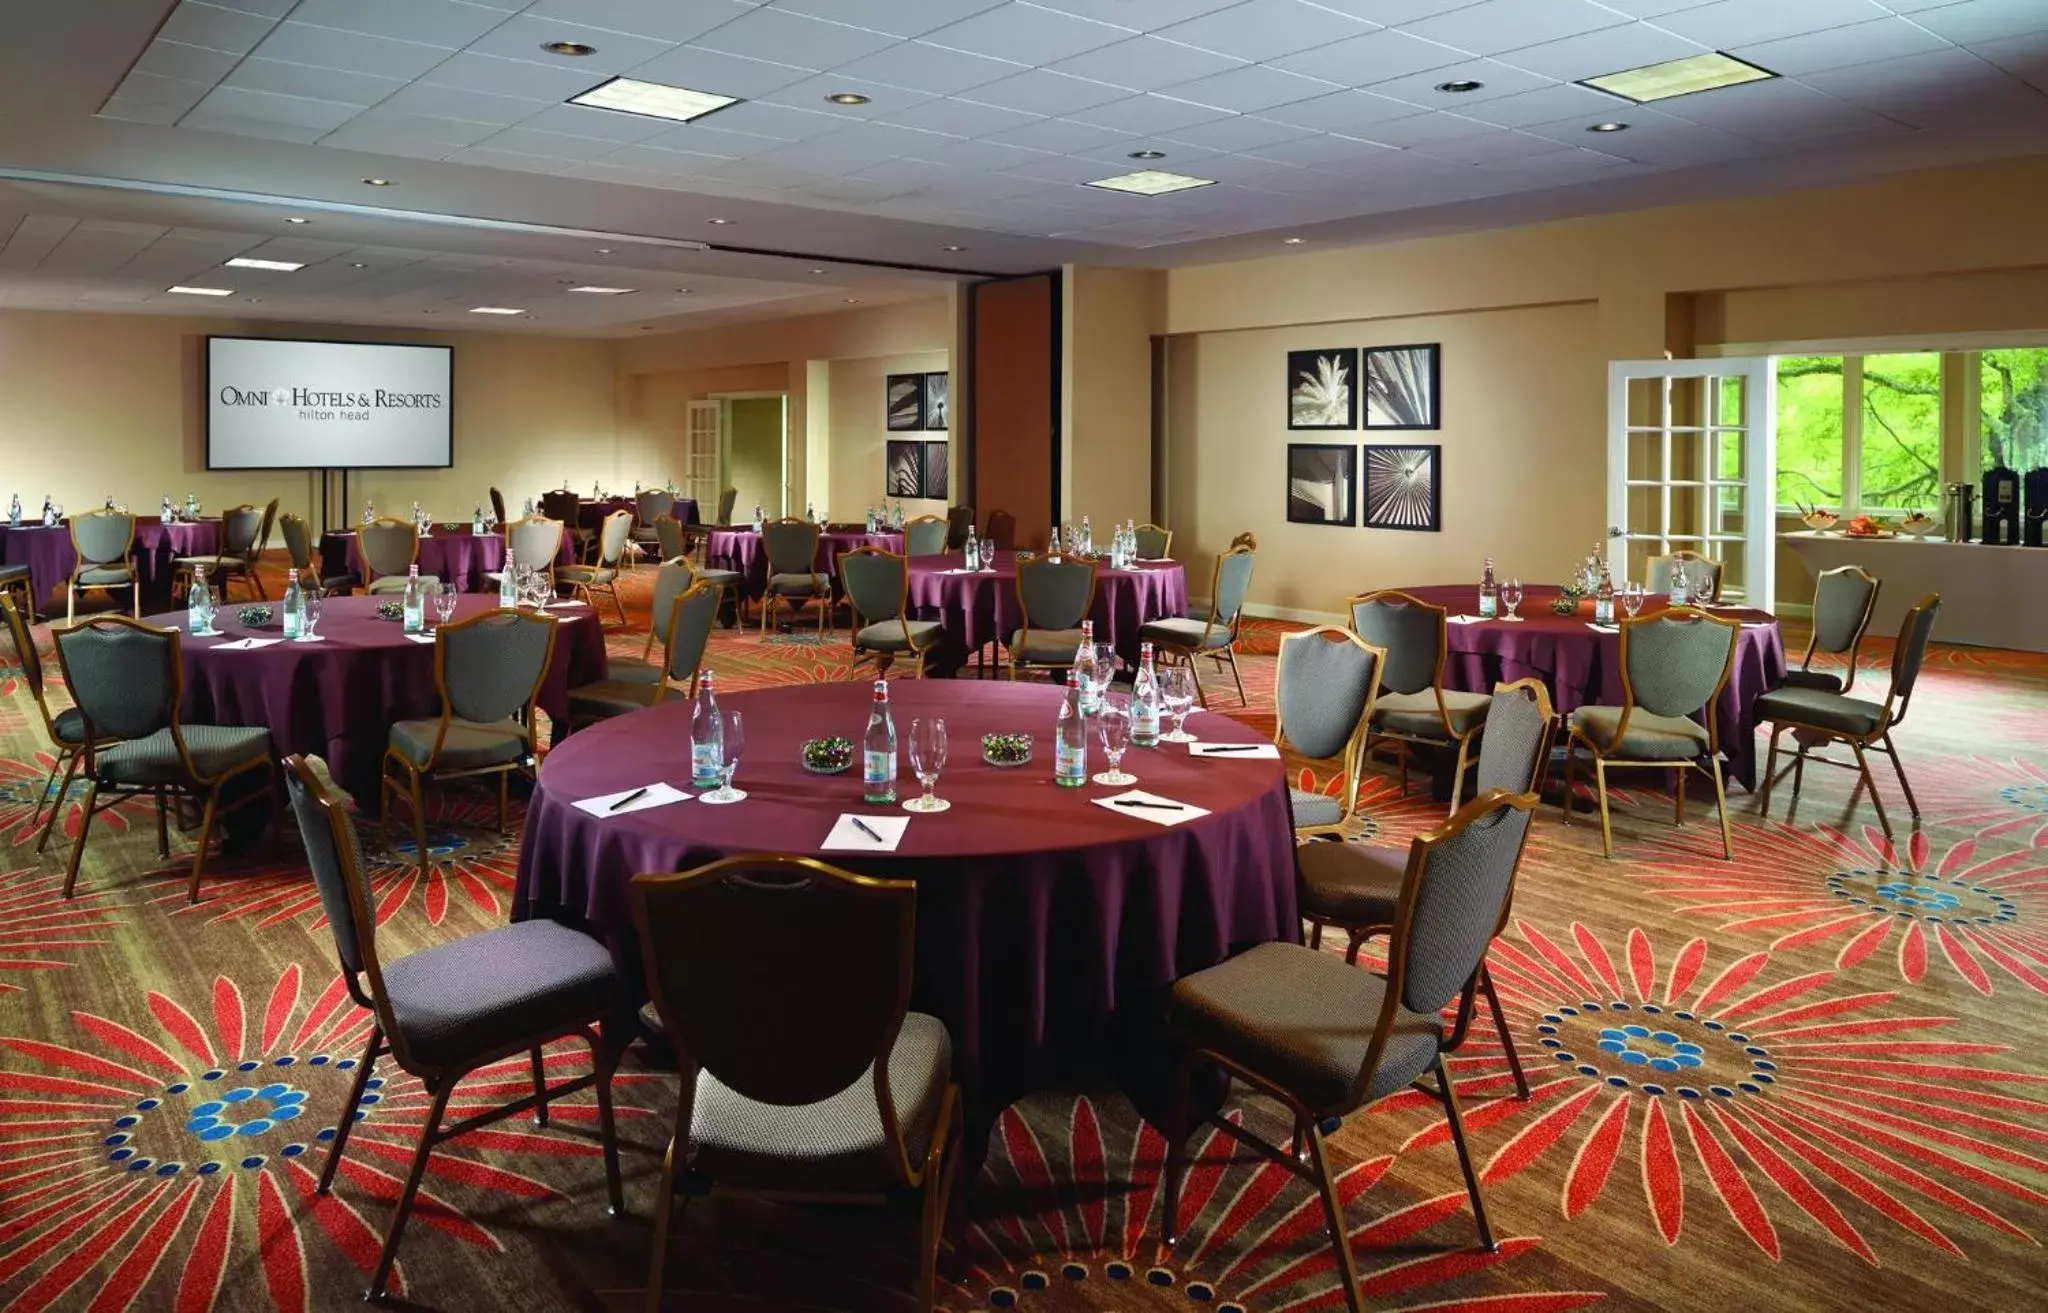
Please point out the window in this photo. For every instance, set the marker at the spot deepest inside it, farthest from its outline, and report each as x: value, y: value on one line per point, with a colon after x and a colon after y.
x: 1860, y: 433
x: 2013, y: 408
x: 1810, y: 447
x: 1899, y: 466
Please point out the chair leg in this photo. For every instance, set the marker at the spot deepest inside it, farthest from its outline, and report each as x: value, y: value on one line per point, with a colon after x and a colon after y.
x: 930, y: 1228
x: 1606, y: 822
x: 664, y: 1209
x: 1195, y: 673
x: 1176, y: 1149
x: 348, y: 1111
x: 1571, y: 769
x: 1451, y: 1114
x: 540, y: 1090
x: 1678, y: 796
x: 43, y: 799
x: 1351, y: 949
x: 419, y: 825
x: 1230, y: 653
x: 1333, y: 1211
x: 618, y: 604
x: 70, y: 603
x: 57, y: 803
x: 504, y: 799
x: 1315, y: 934
x: 92, y: 797
x: 1458, y: 774
x: 1863, y: 765
x: 406, y: 1195
x: 1507, y: 1039
x: 163, y: 835
x: 1899, y: 769
x: 604, y: 1056
x: 1763, y: 802
x: 205, y: 836
x: 136, y: 599
x: 1721, y: 804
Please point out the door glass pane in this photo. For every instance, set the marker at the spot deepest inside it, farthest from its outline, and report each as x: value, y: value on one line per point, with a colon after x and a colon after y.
x: 2014, y: 407
x: 1901, y: 456
x: 1645, y: 402
x: 1734, y: 581
x: 1689, y: 402
x: 1645, y: 512
x: 1646, y: 455
x: 1688, y: 457
x: 1728, y: 454
x: 1728, y: 400
x: 1810, y: 431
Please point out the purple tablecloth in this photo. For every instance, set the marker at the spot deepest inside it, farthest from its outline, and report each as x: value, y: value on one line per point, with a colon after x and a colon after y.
x: 445, y: 553
x: 1039, y: 913
x: 50, y: 560
x: 982, y: 607
x: 1581, y: 666
x: 740, y: 549
x: 338, y: 697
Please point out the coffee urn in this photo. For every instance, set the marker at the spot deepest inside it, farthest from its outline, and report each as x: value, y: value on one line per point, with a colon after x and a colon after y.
x: 1958, y: 508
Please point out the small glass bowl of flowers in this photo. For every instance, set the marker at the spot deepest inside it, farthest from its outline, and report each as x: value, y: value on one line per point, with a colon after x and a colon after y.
x: 1006, y: 750
x: 254, y: 617
x: 391, y: 610
x: 827, y: 756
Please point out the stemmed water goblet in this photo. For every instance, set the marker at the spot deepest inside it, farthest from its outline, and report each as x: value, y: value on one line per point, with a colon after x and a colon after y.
x: 309, y: 614
x: 1632, y: 594
x: 734, y: 743
x: 927, y: 758
x: 445, y: 600
x: 1113, y: 727
x: 1511, y: 597
x: 1104, y: 670
x: 1177, y: 690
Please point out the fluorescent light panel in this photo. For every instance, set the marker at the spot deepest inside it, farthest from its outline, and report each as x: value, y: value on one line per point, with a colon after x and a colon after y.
x: 1678, y: 77
x: 281, y: 266
x: 202, y: 291
x: 653, y: 100
x: 1151, y: 182
x: 495, y: 310
x: 603, y: 291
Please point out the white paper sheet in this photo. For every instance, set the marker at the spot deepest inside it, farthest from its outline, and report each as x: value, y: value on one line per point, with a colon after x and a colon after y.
x: 245, y: 644
x: 1603, y: 629
x: 847, y: 835
x: 1463, y: 619
x: 657, y: 795
x: 1156, y: 809
x: 419, y: 638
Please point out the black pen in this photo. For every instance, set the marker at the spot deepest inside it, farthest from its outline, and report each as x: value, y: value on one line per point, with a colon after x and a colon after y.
x: 1208, y: 748
x: 635, y: 796
x: 863, y: 827
x: 1156, y: 806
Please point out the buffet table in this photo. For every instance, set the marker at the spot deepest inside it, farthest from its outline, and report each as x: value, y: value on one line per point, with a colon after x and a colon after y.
x: 1989, y: 595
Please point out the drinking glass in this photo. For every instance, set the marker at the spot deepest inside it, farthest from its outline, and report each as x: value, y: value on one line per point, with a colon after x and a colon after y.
x: 735, y: 743
x: 445, y: 602
x: 309, y: 613
x: 1106, y: 664
x: 1177, y: 689
x: 1632, y: 598
x: 1511, y: 597
x: 927, y: 758
x: 1113, y: 725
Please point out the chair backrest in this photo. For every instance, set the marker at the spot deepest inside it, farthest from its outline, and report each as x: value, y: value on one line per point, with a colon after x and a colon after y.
x: 1155, y: 542
x: 102, y: 537
x: 535, y: 542
x: 1659, y: 568
x: 24, y: 647
x: 1324, y: 686
x: 387, y: 546
x: 334, y: 854
x: 1233, y: 581
x: 239, y: 526
x: 1001, y: 530
x: 490, y: 666
x: 612, y: 537
x: 1457, y: 884
x: 263, y: 531
x: 925, y: 536
x: 672, y: 579
x: 1673, y: 663
x: 959, y: 519
x: 688, y: 625
x: 1909, y: 653
x: 832, y: 994
x: 725, y: 500
x: 668, y: 531
x: 298, y: 541
x: 1246, y: 539
x: 1515, y: 750
x: 1843, y: 599
x: 1410, y: 631
x: 561, y: 504
x: 124, y: 676
x: 791, y: 545
x: 498, y: 506
x: 653, y: 503
x: 1055, y: 594
x: 876, y: 582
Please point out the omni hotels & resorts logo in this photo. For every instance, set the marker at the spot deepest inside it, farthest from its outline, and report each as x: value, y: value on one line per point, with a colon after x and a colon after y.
x: 318, y: 405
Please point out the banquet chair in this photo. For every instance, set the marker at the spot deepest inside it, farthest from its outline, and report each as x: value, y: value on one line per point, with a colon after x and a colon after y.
x: 1001, y: 530
x: 1213, y: 634
x: 389, y: 548
x: 18, y: 578
x: 1154, y: 543
x: 793, y: 577
x: 298, y: 545
x: 685, y: 627
x: 1246, y: 539
x: 726, y: 497
x: 670, y: 539
x: 1658, y: 571
x: 693, y: 543
x: 1053, y: 597
x: 1674, y: 665
x: 488, y: 670
x: 651, y: 505
x: 852, y: 1101
x: 534, y: 543
x: 1843, y: 599
x: 244, y: 531
x: 455, y: 1008
x: 672, y: 579
x: 604, y: 575
x: 1415, y: 707
x: 925, y: 536
x: 878, y: 589
x: 104, y: 542
x: 128, y: 681
x: 66, y: 728
x: 959, y: 521
x: 1326, y: 1039
x: 1324, y: 684
x: 564, y: 505
x: 1818, y: 717
x: 1357, y: 888
x: 498, y: 508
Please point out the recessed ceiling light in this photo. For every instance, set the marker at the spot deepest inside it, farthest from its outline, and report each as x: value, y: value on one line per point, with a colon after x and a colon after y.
x: 847, y: 98
x: 852, y: 300
x: 602, y: 250
x: 1460, y: 86
x: 492, y: 310
x: 1608, y: 127
x: 573, y: 49
x: 603, y: 291
x: 296, y: 219
x: 653, y: 100
x: 357, y: 264
x: 1151, y: 182
x: 281, y: 266
x: 1292, y: 241
x: 720, y: 222
x: 682, y: 291
x: 202, y: 291
x: 953, y: 248
x: 1678, y: 77
x: 1148, y: 154
x: 377, y: 182
x: 817, y: 271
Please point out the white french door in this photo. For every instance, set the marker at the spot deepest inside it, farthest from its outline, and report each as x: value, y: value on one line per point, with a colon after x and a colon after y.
x: 702, y: 456
x: 1692, y: 465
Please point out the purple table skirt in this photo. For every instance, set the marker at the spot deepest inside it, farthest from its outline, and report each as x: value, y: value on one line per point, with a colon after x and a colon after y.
x: 50, y: 560
x: 1039, y: 914
x: 982, y: 607
x: 339, y: 697
x: 740, y: 550
x: 445, y: 553
x: 1582, y: 667
x: 590, y: 514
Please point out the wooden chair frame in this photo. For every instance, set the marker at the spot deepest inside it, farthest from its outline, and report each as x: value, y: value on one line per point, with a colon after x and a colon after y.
x: 883, y: 660
x: 1017, y: 661
x: 72, y: 586
x: 821, y: 582
x: 1228, y: 651
x: 1862, y: 624
x: 66, y: 753
x: 1353, y: 756
x: 370, y: 572
x: 589, y: 587
x: 1451, y: 738
x: 25, y: 582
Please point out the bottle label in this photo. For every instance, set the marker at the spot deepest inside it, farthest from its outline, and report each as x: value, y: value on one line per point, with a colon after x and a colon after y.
x: 706, y: 765
x: 1144, y: 724
x: 1070, y: 763
x: 1487, y: 604
x: 1603, y: 610
x: 878, y: 776
x: 291, y: 622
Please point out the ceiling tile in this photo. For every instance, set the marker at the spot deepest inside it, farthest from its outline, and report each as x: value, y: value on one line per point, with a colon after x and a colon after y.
x: 1072, y: 169
x: 1321, y: 151
x: 175, y: 59
x: 1419, y: 128
x: 786, y: 38
x: 1939, y: 89
x: 1546, y: 105
x: 279, y: 8
x: 1179, y: 157
x: 588, y: 121
x: 506, y: 159
x: 447, y: 23
x: 719, y: 73
x: 430, y: 101
x: 783, y: 122
x: 1985, y: 20
x: 1062, y: 135
x: 671, y: 162
x: 1249, y: 89
x: 386, y: 133
x: 241, y: 125
x: 892, y: 16
x: 1374, y: 57
x: 293, y: 111
x: 962, y: 118
x: 1391, y: 13
x: 319, y: 83
x: 706, y: 138
x: 1490, y: 148
x: 1860, y: 43
x: 929, y: 68
x: 664, y: 20
x: 1497, y: 80
x: 351, y: 52
x: 554, y: 145
x: 1778, y: 110
x: 1654, y: 8
x: 1146, y: 63
x: 1348, y: 112
x: 1027, y: 34
x: 812, y: 92
x: 140, y: 109
x: 1745, y: 22
x: 1141, y: 15
x: 509, y: 77
x: 1654, y: 138
x: 522, y: 37
x: 1238, y: 132
x: 215, y: 28
x: 1496, y: 25
x: 1148, y: 114
x: 2025, y: 57
x: 1039, y: 92
x: 1264, y: 29
x: 1609, y: 50
x: 980, y: 155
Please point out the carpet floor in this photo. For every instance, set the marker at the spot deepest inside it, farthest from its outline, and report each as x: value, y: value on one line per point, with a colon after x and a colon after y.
x: 1812, y: 1077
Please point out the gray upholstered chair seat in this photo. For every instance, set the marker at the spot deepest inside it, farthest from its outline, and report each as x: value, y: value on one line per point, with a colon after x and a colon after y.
x: 611, y: 697
x: 463, y: 1000
x: 215, y: 749
x: 469, y: 745
x: 721, y: 578
x: 1047, y: 646
x: 1185, y: 632
x: 69, y: 725
x: 93, y: 576
x: 212, y: 562
x: 16, y: 571
x: 887, y: 635
x: 586, y: 574
x: 1810, y: 706
x: 1650, y: 737
x: 1350, y: 883
x: 1416, y: 713
x: 1304, y: 1019
x: 390, y: 583
x: 1821, y: 680
x: 836, y: 1143
x: 1315, y: 808
x: 797, y: 585
x: 626, y: 670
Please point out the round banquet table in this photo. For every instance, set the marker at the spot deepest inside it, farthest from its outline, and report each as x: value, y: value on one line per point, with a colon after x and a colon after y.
x: 48, y: 554
x: 446, y: 554
x: 740, y: 550
x: 981, y: 607
x: 1582, y: 666
x: 1040, y: 914
x: 338, y: 697
x: 590, y: 514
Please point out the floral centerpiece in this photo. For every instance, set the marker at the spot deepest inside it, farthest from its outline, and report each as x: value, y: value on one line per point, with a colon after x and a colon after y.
x: 827, y: 756
x: 255, y: 617
x: 1006, y: 749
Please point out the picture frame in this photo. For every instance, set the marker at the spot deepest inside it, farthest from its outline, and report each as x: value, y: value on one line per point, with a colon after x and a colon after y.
x: 904, y: 403
x: 1404, y: 488
x: 1322, y: 388
x: 1404, y: 386
x: 935, y: 469
x: 915, y: 468
x: 1322, y: 483
x: 936, y: 415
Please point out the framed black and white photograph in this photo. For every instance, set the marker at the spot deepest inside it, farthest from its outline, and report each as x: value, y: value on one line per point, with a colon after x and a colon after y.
x: 1322, y: 483
x: 1322, y: 389
x: 906, y: 402
x: 1403, y: 488
x: 935, y: 413
x: 932, y: 472
x: 905, y: 472
x: 1402, y: 386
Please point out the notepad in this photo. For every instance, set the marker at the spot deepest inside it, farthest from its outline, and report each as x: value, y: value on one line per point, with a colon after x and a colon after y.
x: 419, y: 638
x: 1151, y: 807
x: 657, y: 795
x: 1463, y: 619
x: 246, y: 644
x: 848, y: 836
x: 1242, y: 751
x: 1603, y: 629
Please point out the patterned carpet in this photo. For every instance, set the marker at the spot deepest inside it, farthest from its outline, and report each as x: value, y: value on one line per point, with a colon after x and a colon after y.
x: 1809, y: 1078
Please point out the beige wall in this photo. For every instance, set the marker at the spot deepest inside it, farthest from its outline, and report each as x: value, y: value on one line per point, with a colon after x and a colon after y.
x: 860, y: 433
x: 98, y: 404
x: 1110, y: 317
